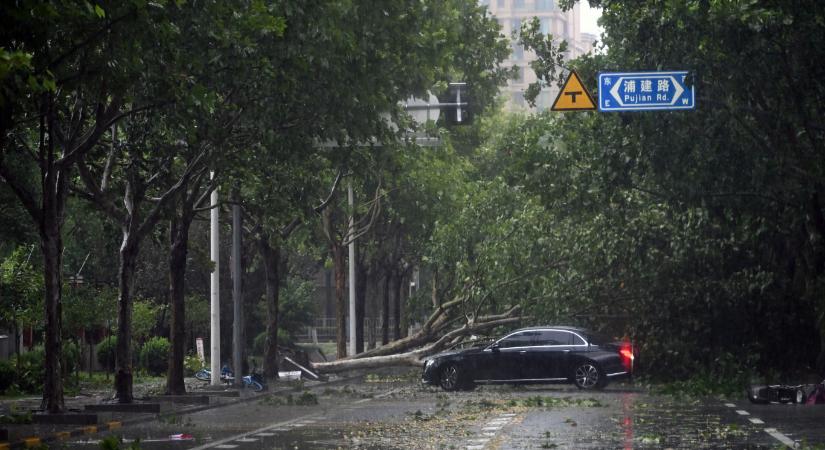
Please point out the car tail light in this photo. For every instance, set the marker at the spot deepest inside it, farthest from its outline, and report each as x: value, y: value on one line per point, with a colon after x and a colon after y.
x: 626, y: 353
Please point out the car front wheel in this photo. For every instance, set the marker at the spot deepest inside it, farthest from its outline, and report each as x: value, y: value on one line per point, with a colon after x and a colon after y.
x: 450, y: 378
x: 588, y: 375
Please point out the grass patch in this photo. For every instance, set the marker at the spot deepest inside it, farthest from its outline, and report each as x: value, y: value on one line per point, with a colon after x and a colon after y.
x: 403, y: 378
x: 305, y: 399
x: 19, y: 418
x: 555, y: 402
x: 702, y: 386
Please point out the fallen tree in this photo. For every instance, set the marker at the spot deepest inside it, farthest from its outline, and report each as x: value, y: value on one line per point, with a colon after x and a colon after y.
x: 429, y: 340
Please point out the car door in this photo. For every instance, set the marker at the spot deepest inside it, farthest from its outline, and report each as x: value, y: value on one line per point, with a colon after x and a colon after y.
x: 504, y: 359
x: 549, y: 355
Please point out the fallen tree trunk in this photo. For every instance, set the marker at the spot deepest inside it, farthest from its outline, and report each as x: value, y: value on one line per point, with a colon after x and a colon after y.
x: 438, y: 322
x: 415, y: 357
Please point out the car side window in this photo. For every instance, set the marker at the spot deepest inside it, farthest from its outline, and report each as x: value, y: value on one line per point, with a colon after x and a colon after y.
x: 577, y: 340
x: 522, y: 339
x: 553, y: 337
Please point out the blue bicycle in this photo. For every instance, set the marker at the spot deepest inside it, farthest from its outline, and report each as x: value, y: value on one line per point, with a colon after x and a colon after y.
x: 252, y: 381
x: 206, y: 374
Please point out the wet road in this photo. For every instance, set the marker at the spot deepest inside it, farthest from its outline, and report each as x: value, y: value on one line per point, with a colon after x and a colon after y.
x: 398, y: 413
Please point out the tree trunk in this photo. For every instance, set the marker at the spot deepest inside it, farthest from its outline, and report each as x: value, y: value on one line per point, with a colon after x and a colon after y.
x: 52, y: 248
x: 395, y: 291
x: 360, y: 303
x: 178, y: 251
x: 433, y: 343
x: 123, y: 355
x: 271, y: 257
x: 404, y: 296
x: 372, y: 332
x: 385, y: 310
x: 339, y: 266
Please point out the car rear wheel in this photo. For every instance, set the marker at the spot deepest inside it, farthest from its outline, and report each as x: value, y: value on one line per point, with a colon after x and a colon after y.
x: 589, y: 375
x: 450, y: 377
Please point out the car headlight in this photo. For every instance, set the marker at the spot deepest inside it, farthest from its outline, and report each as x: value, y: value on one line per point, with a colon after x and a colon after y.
x: 429, y: 363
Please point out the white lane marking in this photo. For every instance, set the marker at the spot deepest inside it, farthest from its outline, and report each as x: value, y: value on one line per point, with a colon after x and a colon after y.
x: 781, y: 437
x: 730, y: 405
x: 756, y: 421
x: 247, y: 440
x: 498, y: 421
x: 271, y: 427
x: 475, y: 447
x: 508, y: 415
x: 487, y: 433
x: 478, y: 441
x: 297, y: 422
x: 742, y: 412
x: 490, y: 428
x: 226, y: 446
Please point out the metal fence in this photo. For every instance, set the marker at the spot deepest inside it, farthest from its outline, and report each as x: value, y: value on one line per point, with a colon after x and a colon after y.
x: 323, y: 329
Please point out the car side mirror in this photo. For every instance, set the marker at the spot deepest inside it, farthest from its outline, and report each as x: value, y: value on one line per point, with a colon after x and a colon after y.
x: 494, y: 347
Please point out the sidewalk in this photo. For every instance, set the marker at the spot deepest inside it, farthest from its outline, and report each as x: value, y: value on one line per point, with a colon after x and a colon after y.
x: 200, y: 396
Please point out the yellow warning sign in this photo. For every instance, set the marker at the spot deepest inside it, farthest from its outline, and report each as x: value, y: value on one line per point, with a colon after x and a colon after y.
x: 573, y: 96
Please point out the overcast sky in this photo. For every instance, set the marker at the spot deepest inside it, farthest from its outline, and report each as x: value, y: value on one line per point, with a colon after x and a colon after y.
x: 588, y: 17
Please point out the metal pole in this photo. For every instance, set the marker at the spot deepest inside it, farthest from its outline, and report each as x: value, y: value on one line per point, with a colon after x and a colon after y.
x: 236, y: 290
x: 351, y: 271
x: 215, y: 303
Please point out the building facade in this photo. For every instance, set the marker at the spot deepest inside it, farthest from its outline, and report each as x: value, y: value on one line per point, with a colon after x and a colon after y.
x: 561, y: 24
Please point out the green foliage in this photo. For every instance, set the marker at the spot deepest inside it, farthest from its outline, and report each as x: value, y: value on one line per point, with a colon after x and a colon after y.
x: 197, y: 315
x: 144, y: 320
x: 728, y: 377
x: 154, y: 355
x: 7, y: 375
x: 16, y: 418
x: 21, y: 288
x: 106, y: 352
x: 683, y: 231
x: 296, y: 306
x: 116, y: 443
x: 71, y: 356
x: 538, y: 401
x: 259, y: 343
x: 31, y: 370
x: 306, y: 399
x: 192, y: 364
x: 88, y: 307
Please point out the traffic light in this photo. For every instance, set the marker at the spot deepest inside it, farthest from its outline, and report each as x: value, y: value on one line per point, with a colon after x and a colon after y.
x: 457, y: 106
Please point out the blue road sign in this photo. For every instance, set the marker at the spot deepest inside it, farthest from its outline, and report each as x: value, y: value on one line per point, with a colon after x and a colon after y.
x: 645, y: 91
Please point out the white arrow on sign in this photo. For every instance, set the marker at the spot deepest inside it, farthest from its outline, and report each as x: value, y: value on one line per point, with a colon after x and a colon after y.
x: 679, y: 90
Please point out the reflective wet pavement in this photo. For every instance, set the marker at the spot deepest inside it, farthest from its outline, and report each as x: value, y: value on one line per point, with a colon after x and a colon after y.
x: 399, y: 413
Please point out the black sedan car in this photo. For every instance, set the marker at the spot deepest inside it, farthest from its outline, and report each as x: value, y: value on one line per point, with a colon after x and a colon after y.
x: 546, y: 354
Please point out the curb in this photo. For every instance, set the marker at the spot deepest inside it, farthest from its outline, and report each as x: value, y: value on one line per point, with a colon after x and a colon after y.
x: 60, y: 436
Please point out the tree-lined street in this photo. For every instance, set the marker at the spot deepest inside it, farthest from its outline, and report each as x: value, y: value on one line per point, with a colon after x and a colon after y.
x: 187, y: 185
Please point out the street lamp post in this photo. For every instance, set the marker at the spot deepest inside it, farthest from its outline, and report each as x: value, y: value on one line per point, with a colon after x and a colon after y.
x: 215, y: 303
